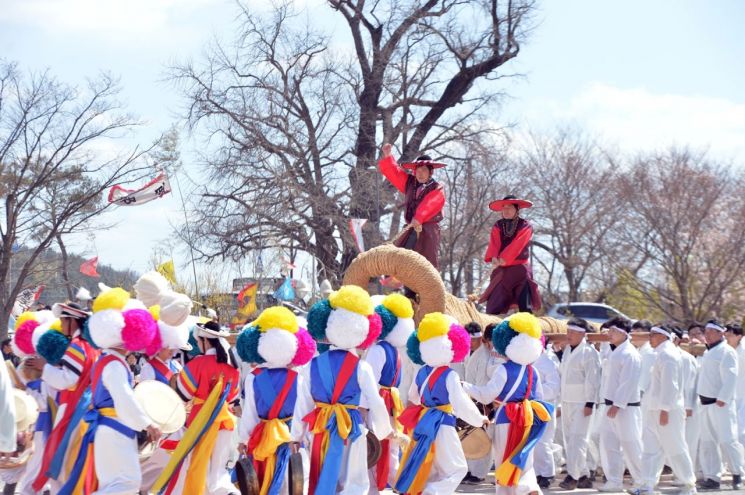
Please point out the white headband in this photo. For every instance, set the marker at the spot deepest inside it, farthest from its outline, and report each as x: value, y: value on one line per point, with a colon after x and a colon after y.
x: 714, y: 326
x: 575, y: 328
x: 613, y: 327
x: 661, y: 331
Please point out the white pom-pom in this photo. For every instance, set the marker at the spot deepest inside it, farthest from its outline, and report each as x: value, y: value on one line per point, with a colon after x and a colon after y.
x: 38, y: 332
x: 346, y: 329
x: 102, y: 287
x: 174, y: 308
x: 377, y: 300
x: 134, y: 304
x: 150, y: 287
x: 437, y: 351
x: 106, y: 328
x: 44, y: 316
x: 83, y: 294
x: 277, y: 347
x: 401, y: 332
x: 524, y: 349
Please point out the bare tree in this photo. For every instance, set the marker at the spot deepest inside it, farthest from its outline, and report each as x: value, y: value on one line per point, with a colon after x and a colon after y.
x: 686, y: 212
x: 52, y: 178
x: 293, y: 127
x: 465, y: 229
x: 574, y: 217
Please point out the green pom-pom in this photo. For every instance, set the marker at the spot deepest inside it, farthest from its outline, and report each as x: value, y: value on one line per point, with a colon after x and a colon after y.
x: 318, y: 318
x: 247, y: 345
x: 501, y: 337
x: 52, y: 346
x: 388, y: 319
x: 412, y: 349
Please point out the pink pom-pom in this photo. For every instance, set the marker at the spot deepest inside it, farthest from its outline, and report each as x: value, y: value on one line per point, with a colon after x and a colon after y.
x: 306, y: 348
x: 460, y: 341
x: 23, y: 335
x: 155, y: 345
x: 139, y: 329
x: 376, y: 326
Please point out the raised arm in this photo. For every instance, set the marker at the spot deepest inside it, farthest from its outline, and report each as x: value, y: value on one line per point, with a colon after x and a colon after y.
x: 391, y: 170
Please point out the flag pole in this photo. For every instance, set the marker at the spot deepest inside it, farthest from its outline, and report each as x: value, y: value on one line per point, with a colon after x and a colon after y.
x: 188, y: 233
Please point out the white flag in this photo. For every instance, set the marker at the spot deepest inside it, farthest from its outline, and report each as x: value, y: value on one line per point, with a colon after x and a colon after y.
x: 355, y: 225
x: 156, y: 188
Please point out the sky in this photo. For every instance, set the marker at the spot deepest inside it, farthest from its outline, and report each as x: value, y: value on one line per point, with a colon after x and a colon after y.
x: 640, y: 75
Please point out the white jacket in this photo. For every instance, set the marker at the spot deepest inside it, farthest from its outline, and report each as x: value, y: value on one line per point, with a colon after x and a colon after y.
x: 740, y: 390
x: 717, y: 377
x: 621, y: 375
x: 548, y: 368
x: 580, y: 374
x: 690, y: 378
x: 666, y: 380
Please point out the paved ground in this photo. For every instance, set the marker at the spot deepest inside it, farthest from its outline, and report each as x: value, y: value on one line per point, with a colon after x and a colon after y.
x: 665, y: 487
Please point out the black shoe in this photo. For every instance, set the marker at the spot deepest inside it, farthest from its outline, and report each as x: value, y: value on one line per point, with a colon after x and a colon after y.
x: 543, y: 481
x: 736, y: 481
x: 569, y: 483
x: 708, y: 484
x: 667, y: 470
x: 593, y: 475
x: 469, y: 479
x: 584, y: 482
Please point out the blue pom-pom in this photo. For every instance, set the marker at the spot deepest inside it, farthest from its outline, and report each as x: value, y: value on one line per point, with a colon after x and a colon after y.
x: 501, y: 337
x: 247, y: 345
x: 412, y: 349
x: 388, y: 318
x: 52, y: 346
x: 87, y: 334
x: 318, y: 318
x: 195, y: 350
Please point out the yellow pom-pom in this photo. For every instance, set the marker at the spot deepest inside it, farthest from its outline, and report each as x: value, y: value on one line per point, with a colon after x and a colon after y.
x: 399, y: 305
x: 352, y: 298
x: 433, y: 325
x: 155, y: 311
x: 56, y: 325
x: 115, y: 298
x: 526, y: 323
x: 23, y: 318
x: 277, y: 317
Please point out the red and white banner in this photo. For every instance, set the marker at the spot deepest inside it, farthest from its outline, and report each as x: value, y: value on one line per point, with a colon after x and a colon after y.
x: 156, y: 188
x: 28, y: 296
x: 89, y: 267
x: 355, y: 225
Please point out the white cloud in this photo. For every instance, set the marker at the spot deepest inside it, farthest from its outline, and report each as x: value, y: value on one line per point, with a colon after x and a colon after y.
x: 638, y: 119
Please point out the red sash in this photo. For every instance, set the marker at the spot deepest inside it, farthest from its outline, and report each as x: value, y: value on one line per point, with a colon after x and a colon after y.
x: 410, y: 417
x: 161, y: 368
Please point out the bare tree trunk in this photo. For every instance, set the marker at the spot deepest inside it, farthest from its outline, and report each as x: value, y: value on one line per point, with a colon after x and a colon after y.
x: 65, y: 267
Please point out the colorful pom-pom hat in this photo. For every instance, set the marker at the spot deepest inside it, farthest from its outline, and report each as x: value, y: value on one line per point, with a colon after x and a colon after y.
x: 276, y: 340
x: 121, y: 321
x: 438, y: 341
x: 347, y: 319
x: 397, y: 318
x: 519, y: 338
x: 27, y: 324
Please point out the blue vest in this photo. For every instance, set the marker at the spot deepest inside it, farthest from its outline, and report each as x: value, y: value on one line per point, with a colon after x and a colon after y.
x: 101, y: 396
x: 388, y: 374
x: 438, y: 394
x: 267, y: 385
x: 324, y: 370
x: 513, y: 373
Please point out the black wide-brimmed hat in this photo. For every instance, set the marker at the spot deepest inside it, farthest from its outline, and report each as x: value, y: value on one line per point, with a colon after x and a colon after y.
x: 69, y: 310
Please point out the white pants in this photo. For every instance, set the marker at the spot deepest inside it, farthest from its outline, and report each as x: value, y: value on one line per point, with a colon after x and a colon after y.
x: 117, y: 462
x: 693, y: 434
x: 593, y: 445
x: 665, y: 443
x: 33, y: 466
x: 527, y: 482
x: 719, y: 428
x: 544, y: 451
x: 576, y: 428
x: 449, y: 466
x: 740, y: 407
x: 218, y: 476
x: 621, y: 441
